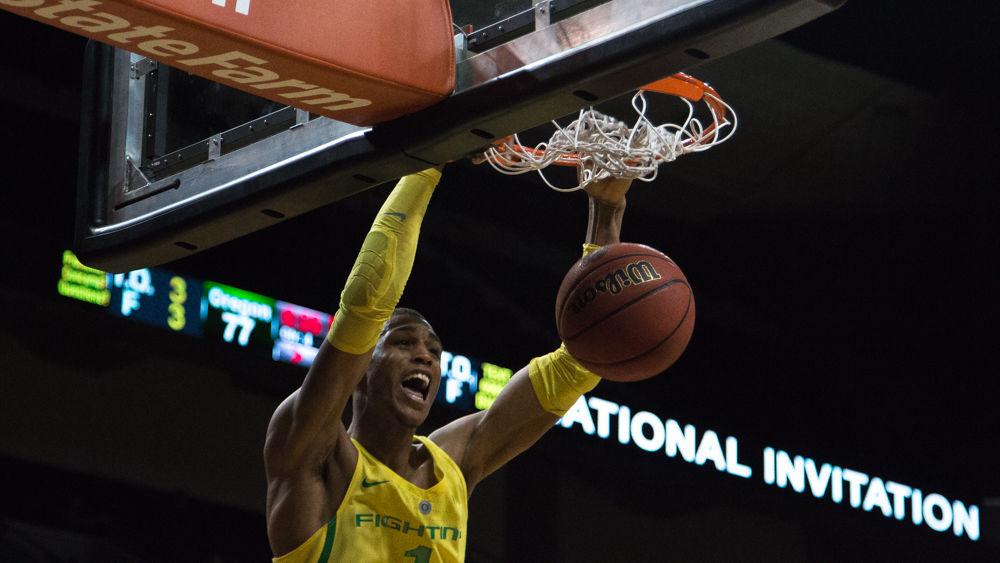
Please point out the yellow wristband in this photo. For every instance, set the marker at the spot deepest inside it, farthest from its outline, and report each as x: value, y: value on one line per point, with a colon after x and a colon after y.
x: 558, y: 380
x: 588, y: 248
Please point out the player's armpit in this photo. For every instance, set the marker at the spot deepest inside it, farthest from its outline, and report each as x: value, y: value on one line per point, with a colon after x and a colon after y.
x: 307, y: 424
x: 483, y: 442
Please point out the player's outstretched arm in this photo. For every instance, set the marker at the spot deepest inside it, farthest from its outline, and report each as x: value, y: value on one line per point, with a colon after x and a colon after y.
x: 543, y: 391
x: 307, y: 425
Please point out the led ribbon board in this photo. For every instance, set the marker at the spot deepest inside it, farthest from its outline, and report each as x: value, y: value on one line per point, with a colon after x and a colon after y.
x: 298, y: 332
x: 238, y: 317
x: 81, y: 282
x: 158, y: 298
x: 282, y: 50
x: 668, y: 438
x: 293, y: 334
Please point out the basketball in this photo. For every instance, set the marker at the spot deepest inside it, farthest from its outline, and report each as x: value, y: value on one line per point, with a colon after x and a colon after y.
x: 625, y: 312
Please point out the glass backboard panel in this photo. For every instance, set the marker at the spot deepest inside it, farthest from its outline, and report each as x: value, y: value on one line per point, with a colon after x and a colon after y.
x: 175, y: 117
x: 209, y: 108
x: 480, y: 14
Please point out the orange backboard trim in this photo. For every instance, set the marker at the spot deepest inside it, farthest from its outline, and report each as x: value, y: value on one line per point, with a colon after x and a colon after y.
x: 361, y: 63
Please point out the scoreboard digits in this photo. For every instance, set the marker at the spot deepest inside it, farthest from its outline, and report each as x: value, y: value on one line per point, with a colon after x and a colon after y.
x: 287, y: 332
x: 157, y: 298
x: 298, y: 333
x: 238, y: 317
x: 459, y: 381
x: 176, y: 314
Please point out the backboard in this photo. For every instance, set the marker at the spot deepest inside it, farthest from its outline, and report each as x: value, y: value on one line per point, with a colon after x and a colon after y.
x: 172, y: 163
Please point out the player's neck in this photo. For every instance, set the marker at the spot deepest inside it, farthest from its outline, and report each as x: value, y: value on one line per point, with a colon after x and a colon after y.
x: 391, y: 444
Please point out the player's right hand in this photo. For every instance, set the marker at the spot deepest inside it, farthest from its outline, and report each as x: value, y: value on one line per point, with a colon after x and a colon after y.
x: 609, y: 191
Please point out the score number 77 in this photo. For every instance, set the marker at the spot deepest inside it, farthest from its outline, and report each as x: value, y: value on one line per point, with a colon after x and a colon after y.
x: 234, y: 321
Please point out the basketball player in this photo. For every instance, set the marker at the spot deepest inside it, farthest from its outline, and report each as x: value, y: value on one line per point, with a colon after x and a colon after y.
x: 375, y: 492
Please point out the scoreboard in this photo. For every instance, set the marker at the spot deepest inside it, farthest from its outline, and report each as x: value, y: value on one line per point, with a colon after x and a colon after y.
x: 263, y: 326
x: 297, y: 334
x: 237, y: 317
x: 285, y: 332
x: 158, y: 298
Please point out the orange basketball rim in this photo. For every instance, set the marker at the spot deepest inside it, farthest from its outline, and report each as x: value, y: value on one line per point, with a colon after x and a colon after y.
x: 678, y: 84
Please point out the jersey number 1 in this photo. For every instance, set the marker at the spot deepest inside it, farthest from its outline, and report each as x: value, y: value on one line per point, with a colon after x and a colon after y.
x: 420, y: 554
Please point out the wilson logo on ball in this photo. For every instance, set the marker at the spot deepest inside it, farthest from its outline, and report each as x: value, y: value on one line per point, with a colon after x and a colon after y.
x: 634, y: 273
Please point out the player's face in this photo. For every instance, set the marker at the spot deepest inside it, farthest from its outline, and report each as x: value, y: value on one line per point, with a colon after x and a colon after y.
x: 406, y: 370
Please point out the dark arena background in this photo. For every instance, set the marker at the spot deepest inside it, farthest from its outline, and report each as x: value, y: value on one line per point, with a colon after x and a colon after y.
x: 838, y: 400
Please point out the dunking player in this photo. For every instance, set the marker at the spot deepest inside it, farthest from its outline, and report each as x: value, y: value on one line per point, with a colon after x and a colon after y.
x: 375, y: 492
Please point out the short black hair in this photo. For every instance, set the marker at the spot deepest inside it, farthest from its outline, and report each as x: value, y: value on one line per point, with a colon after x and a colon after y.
x: 403, y: 312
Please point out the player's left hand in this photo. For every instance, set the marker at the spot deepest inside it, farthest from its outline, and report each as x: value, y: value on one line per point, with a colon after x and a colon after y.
x: 609, y: 191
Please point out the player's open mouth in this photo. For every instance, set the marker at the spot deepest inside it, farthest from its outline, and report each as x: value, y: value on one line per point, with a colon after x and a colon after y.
x: 416, y: 385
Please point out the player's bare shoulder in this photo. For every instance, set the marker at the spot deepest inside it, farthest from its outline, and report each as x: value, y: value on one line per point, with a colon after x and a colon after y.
x: 276, y: 443
x: 303, y: 492
x: 331, y: 450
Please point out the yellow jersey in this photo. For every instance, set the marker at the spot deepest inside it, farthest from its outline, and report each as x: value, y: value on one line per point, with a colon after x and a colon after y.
x: 387, y: 519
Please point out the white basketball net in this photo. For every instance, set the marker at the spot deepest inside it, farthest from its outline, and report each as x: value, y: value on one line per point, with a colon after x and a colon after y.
x: 601, y: 146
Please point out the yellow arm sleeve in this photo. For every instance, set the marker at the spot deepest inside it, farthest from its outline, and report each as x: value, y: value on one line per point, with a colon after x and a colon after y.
x: 380, y: 272
x: 559, y: 380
